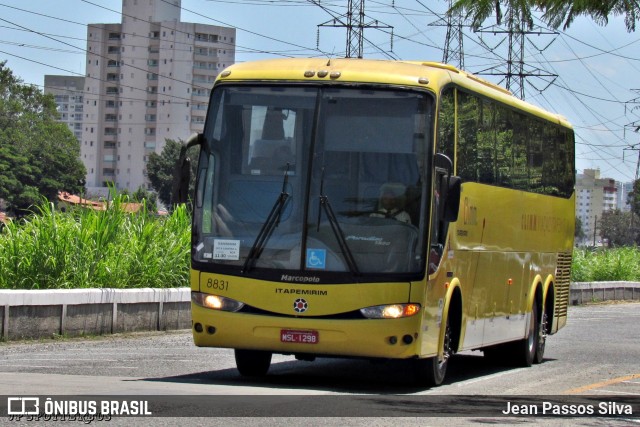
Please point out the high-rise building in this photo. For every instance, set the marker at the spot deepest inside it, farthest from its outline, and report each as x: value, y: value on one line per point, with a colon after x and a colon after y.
x: 148, y: 79
x: 624, y: 188
x: 594, y: 195
x: 68, y: 94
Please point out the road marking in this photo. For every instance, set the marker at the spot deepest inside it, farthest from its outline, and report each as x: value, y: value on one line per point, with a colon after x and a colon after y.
x: 60, y: 367
x: 601, y: 384
x: 619, y: 392
x: 488, y: 377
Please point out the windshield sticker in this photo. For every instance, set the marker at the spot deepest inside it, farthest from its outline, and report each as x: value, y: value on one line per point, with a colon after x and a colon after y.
x: 226, y: 250
x: 317, y: 258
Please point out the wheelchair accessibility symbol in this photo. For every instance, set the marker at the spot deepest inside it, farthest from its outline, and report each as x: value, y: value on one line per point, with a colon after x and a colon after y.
x: 316, y: 258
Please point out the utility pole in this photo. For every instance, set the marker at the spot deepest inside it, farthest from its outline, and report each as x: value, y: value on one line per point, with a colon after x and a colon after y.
x: 354, y: 20
x: 633, y: 147
x: 635, y: 126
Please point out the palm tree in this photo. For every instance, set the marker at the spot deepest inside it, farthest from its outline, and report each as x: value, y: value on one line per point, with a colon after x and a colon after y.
x: 479, y: 10
x: 556, y: 13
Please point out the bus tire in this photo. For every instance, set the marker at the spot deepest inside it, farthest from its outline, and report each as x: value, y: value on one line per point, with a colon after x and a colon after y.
x: 431, y: 371
x: 542, y: 338
x: 525, y: 350
x: 252, y: 363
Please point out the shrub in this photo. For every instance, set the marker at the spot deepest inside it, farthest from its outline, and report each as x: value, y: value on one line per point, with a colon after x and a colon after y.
x: 606, y: 265
x: 84, y: 248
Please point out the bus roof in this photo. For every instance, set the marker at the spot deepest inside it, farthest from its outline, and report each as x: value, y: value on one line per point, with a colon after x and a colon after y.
x: 432, y: 75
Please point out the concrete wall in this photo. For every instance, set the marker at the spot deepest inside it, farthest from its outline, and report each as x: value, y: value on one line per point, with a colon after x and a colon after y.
x: 75, y: 312
x: 585, y: 292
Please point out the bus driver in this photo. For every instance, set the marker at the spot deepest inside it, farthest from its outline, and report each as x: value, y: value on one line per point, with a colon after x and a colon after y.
x: 391, y: 203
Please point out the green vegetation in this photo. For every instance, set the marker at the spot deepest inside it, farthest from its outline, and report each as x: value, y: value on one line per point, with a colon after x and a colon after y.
x: 84, y: 248
x: 161, y: 166
x: 39, y: 156
x: 556, y: 13
x: 606, y: 265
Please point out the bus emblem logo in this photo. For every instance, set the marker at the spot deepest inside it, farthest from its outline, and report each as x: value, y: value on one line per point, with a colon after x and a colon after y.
x: 300, y: 305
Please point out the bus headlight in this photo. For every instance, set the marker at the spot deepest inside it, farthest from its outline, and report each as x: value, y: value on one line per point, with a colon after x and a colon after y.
x: 390, y: 311
x: 215, y: 302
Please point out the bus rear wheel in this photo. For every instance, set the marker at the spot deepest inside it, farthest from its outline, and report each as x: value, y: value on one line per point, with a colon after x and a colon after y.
x: 542, y: 338
x: 525, y: 350
x: 252, y: 363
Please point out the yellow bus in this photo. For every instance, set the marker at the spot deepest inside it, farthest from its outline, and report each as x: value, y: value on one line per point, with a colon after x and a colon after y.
x: 377, y: 209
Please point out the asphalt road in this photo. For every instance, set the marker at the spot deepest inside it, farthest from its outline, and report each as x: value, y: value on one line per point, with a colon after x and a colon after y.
x: 596, y: 355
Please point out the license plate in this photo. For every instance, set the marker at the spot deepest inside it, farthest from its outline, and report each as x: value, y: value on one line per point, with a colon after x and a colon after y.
x: 299, y: 337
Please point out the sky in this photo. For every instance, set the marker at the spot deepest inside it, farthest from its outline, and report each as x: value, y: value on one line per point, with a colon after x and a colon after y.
x: 597, y: 87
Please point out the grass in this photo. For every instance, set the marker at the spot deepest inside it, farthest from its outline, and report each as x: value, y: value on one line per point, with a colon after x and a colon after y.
x: 84, y: 248
x: 618, y: 264
x: 113, y: 249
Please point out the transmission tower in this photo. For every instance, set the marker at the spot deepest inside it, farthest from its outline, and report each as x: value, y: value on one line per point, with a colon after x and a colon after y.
x: 453, y: 52
x: 355, y: 23
x: 516, y: 71
x: 355, y: 28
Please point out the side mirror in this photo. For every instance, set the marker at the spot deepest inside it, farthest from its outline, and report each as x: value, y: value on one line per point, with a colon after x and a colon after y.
x: 182, y: 171
x: 452, y: 201
x: 450, y: 188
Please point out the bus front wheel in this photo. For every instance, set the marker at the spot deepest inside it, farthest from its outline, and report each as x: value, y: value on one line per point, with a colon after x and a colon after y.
x: 252, y: 363
x: 431, y: 371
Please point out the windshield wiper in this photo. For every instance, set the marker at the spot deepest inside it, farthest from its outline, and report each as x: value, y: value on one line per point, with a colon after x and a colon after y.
x: 273, y: 220
x: 335, y: 227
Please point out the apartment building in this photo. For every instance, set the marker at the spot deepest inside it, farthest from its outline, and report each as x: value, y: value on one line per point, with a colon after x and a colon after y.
x: 68, y: 94
x: 624, y: 189
x: 594, y: 195
x: 148, y: 79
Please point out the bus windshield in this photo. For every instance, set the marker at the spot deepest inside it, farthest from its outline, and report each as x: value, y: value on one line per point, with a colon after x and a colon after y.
x: 329, y: 181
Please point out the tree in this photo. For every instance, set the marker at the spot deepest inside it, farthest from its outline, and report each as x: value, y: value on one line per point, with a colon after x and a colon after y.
x: 556, y: 13
x: 160, y: 169
x: 634, y: 198
x: 144, y: 195
x: 480, y: 10
x: 39, y: 156
x: 615, y: 226
x: 579, y: 232
x: 562, y: 12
